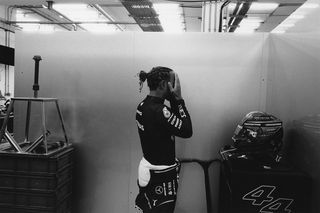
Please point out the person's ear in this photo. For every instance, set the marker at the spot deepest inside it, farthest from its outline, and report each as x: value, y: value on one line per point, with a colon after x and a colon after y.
x: 163, y: 84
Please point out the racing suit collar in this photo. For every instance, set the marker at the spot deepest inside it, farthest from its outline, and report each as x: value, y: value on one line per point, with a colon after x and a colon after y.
x: 155, y: 99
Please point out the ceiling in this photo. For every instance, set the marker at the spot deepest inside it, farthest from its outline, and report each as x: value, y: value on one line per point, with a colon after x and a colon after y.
x: 130, y: 20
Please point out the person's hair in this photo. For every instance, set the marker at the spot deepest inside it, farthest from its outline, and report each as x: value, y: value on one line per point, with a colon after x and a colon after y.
x: 154, y: 77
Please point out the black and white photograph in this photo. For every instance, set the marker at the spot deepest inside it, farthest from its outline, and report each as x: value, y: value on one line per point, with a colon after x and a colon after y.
x: 159, y: 106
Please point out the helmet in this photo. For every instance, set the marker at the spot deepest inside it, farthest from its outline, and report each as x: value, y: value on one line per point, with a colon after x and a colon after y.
x: 259, y: 132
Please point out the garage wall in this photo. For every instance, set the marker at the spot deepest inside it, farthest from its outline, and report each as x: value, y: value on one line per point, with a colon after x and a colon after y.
x: 293, y: 95
x: 93, y: 75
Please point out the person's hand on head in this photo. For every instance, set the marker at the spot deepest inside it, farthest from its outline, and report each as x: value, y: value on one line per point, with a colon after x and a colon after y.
x: 176, y: 90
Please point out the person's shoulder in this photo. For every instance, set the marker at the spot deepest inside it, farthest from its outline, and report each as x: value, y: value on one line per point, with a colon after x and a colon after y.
x: 162, y: 110
x: 140, y: 104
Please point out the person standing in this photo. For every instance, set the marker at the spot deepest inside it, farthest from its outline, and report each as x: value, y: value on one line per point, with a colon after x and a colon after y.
x: 158, y: 125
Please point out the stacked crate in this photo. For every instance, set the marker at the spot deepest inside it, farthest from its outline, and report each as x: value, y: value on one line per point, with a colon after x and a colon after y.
x: 34, y: 183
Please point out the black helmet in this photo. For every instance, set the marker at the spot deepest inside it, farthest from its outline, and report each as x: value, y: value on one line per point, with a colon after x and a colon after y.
x: 259, y: 132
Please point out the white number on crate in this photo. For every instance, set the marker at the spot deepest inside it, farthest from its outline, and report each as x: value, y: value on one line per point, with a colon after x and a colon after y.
x: 281, y: 205
x: 262, y: 195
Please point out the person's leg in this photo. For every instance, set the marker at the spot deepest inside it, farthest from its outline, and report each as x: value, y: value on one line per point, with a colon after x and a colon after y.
x: 165, y: 208
x: 142, y: 203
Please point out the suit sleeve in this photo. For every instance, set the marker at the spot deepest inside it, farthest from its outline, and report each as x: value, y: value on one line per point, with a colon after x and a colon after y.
x: 177, y: 122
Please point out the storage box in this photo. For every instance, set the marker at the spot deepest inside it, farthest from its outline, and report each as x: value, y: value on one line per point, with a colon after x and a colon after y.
x: 35, y: 198
x: 14, y: 180
x: 251, y: 186
x: 35, y: 163
x: 63, y: 207
x: 33, y: 183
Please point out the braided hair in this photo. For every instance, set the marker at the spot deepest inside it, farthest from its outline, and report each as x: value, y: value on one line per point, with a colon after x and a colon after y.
x: 154, y: 77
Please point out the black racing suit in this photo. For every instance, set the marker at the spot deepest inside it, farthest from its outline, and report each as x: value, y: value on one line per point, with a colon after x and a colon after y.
x: 157, y: 126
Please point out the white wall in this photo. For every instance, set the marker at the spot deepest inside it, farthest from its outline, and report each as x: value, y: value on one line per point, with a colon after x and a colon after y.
x: 293, y: 95
x: 222, y: 76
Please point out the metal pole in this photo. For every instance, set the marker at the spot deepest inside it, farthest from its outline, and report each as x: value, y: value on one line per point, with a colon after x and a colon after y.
x: 11, y: 140
x: 62, y: 123
x: 203, y: 16
x: 37, y: 142
x: 6, y: 119
x: 215, y: 16
x: 26, y: 132
x: 221, y: 14
x: 36, y: 58
x: 205, y: 166
x: 44, y: 129
x: 210, y: 16
x: 68, y: 22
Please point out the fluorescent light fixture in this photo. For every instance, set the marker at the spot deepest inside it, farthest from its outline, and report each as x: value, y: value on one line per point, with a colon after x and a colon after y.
x: 249, y: 25
x: 29, y: 27
x: 231, y: 7
x: 245, y: 30
x: 253, y: 19
x: 140, y: 6
x: 22, y: 16
x: 37, y: 27
x: 170, y: 16
x: 257, y: 6
x: 98, y: 27
x: 309, y: 6
x: 85, y: 13
x: 46, y: 28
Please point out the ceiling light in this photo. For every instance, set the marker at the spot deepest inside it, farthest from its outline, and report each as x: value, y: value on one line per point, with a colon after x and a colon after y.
x: 231, y: 7
x: 170, y: 16
x: 250, y: 24
x: 245, y: 30
x: 29, y: 27
x: 98, y: 27
x: 85, y: 13
x: 256, y: 6
x: 46, y: 28
x: 23, y: 16
x: 252, y: 20
x: 139, y: 6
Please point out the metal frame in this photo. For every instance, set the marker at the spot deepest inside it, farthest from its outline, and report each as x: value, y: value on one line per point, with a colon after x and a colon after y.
x: 205, y: 164
x: 45, y: 132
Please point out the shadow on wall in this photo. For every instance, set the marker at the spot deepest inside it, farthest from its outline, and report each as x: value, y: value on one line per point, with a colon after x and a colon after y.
x: 303, y: 148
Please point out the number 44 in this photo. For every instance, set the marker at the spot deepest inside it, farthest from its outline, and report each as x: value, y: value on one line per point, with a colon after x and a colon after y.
x: 262, y: 195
